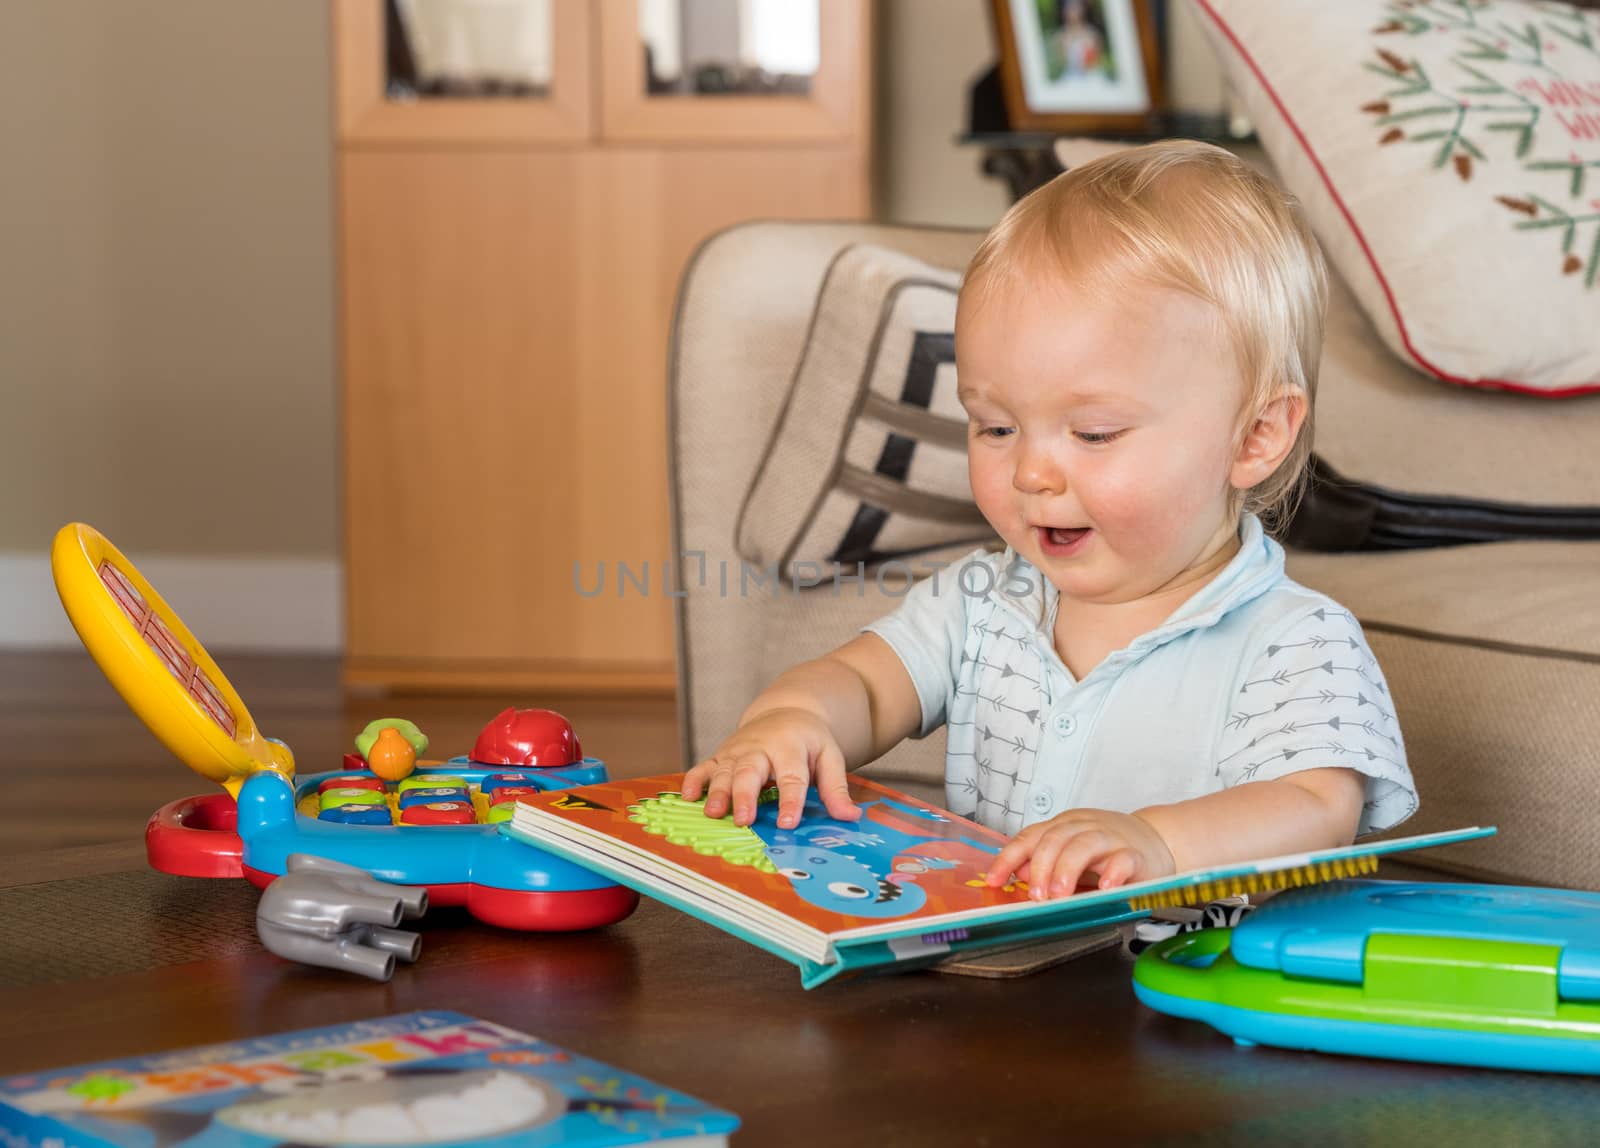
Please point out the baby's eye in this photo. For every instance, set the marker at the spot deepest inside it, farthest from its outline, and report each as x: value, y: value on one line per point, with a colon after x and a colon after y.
x: 993, y: 432
x: 1095, y: 438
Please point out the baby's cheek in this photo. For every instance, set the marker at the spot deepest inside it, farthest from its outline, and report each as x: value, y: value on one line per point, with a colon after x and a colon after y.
x: 1130, y: 499
x: 1142, y: 508
x: 989, y: 503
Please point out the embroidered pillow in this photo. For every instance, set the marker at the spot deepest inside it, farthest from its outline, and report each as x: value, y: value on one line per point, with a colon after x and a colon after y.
x: 1447, y: 152
x: 868, y: 460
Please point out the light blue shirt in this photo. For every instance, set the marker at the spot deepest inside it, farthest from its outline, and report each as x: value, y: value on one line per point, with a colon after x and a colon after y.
x: 1253, y: 678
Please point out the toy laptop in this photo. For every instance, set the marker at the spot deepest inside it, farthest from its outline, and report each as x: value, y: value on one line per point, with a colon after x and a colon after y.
x: 1489, y: 975
x: 422, y: 823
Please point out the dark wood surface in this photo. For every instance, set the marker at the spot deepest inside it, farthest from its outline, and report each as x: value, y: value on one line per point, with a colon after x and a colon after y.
x: 99, y: 961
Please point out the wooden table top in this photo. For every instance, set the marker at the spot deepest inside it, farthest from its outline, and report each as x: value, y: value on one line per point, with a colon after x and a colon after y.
x: 101, y: 958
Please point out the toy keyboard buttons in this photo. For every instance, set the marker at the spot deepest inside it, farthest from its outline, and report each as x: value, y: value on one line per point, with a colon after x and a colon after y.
x: 357, y: 815
x: 347, y: 781
x: 349, y: 795
x: 433, y: 795
x: 439, y: 813
x: 497, y: 781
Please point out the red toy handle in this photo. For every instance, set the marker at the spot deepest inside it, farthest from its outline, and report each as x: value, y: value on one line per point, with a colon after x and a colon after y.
x: 196, y: 837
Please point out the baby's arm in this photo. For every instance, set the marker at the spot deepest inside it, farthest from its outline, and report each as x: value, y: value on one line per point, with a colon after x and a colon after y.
x: 1309, y: 809
x: 815, y: 721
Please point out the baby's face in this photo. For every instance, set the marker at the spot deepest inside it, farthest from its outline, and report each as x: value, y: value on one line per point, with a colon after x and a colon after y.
x: 1101, y: 432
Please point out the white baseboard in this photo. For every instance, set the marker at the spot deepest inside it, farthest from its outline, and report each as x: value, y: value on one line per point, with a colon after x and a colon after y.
x: 273, y: 604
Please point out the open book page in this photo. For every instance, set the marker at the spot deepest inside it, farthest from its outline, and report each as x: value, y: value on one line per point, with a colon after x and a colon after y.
x: 905, y: 868
x: 903, y: 862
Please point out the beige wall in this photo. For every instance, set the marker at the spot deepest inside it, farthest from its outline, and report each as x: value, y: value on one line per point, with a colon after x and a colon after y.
x: 166, y: 255
x: 166, y: 275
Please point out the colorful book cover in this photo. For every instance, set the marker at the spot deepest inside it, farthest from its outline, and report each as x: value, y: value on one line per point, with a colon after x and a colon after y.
x: 903, y: 884
x: 419, y: 1078
x: 903, y: 860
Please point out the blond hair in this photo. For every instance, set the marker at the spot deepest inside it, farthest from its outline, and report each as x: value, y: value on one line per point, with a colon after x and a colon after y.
x: 1194, y: 217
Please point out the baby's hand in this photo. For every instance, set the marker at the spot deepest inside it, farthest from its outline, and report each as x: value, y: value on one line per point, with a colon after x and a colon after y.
x: 1053, y: 856
x: 793, y: 747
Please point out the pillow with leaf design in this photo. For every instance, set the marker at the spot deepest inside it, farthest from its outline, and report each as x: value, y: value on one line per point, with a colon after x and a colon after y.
x: 1447, y: 152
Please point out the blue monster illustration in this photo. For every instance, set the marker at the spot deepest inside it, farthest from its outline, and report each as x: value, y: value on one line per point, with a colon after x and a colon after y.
x: 865, y: 869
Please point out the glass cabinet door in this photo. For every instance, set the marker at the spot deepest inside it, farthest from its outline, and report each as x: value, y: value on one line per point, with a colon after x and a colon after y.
x: 462, y: 70
x: 768, y: 70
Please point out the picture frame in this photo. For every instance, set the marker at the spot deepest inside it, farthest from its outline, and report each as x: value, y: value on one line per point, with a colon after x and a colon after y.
x: 1079, y: 66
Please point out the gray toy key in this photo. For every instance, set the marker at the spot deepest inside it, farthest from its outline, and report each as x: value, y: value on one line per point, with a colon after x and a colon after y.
x: 326, y: 913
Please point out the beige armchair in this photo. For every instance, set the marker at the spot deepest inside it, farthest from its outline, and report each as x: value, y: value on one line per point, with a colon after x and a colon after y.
x: 1492, y: 651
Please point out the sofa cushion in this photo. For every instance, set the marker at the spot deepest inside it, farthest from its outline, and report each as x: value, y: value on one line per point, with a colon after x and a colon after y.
x: 1492, y: 654
x: 868, y: 459
x: 1452, y: 176
x: 1382, y: 422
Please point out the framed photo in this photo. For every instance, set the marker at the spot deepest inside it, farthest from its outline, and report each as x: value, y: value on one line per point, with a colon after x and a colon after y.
x: 1079, y: 65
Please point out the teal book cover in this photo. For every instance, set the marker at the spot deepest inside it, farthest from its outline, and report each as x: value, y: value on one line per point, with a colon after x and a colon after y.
x: 420, y: 1078
x: 901, y: 887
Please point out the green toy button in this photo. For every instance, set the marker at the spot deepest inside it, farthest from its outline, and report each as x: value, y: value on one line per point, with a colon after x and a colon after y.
x: 333, y: 798
x: 432, y: 781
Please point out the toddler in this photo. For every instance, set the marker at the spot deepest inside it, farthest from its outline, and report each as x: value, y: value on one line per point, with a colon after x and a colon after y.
x: 1133, y: 687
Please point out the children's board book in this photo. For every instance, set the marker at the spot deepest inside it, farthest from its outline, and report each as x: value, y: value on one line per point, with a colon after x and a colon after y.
x: 903, y: 886
x: 418, y: 1078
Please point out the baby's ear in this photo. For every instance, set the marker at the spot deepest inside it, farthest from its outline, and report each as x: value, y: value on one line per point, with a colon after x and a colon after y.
x: 1269, y: 438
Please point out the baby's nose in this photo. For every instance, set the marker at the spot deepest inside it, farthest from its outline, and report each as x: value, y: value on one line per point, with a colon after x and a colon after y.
x: 1037, y: 472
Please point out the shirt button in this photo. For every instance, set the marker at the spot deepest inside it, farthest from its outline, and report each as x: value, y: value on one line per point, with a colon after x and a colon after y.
x: 1041, y: 802
x: 1064, y: 724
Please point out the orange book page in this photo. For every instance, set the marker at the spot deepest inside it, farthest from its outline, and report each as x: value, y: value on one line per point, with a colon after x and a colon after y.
x: 902, y: 861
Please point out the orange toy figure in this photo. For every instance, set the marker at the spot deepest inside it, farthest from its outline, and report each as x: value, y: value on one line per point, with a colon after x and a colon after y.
x: 391, y: 756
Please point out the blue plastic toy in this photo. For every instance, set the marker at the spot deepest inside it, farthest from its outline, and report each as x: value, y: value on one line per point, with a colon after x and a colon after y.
x: 1489, y: 975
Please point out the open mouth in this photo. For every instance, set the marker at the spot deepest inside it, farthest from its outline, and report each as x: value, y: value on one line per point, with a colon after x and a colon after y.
x: 1061, y: 540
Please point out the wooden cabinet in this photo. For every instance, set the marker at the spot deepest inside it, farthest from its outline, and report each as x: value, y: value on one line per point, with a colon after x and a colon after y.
x: 507, y: 273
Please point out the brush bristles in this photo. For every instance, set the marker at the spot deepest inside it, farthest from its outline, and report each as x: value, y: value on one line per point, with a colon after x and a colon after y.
x: 1260, y: 882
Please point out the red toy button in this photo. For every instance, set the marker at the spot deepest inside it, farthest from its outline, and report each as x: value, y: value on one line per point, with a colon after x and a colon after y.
x: 346, y: 781
x: 511, y: 793
x: 538, y: 738
x: 439, y: 813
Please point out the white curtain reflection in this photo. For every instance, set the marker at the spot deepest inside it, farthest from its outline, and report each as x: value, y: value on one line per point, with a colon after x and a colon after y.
x: 778, y: 36
x: 468, y: 42
x: 709, y: 46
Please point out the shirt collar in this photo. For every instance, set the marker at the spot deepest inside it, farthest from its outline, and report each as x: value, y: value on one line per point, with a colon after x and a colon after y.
x: 1256, y: 568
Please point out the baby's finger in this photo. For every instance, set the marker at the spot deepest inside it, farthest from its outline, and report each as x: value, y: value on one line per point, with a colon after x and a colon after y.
x: 1016, y: 853
x: 694, y: 781
x: 1085, y: 848
x: 719, y: 780
x: 832, y: 786
x: 750, y: 775
x: 1052, y: 843
x: 1117, y: 868
x: 793, y: 780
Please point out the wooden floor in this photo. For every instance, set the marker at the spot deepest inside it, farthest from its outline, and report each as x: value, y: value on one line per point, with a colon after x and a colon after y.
x: 77, y: 768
